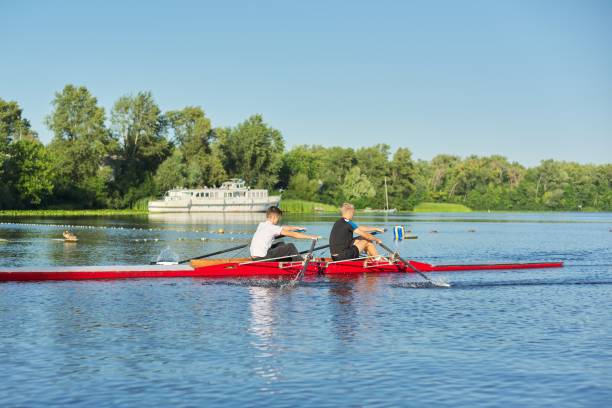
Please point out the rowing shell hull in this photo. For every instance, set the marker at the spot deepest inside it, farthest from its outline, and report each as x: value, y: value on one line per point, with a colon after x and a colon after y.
x: 240, y: 270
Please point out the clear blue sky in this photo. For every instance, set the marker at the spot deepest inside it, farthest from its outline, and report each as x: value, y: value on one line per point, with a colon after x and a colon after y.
x: 527, y: 79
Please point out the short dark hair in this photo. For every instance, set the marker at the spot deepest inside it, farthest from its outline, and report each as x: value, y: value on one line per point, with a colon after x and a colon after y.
x: 274, y: 210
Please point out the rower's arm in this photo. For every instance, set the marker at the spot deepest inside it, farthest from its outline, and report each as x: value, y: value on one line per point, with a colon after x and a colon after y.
x: 362, y: 232
x: 289, y: 232
x: 371, y: 229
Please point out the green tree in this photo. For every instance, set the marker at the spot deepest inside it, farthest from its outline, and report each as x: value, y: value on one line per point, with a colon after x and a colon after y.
x: 440, y: 170
x: 80, y: 148
x: 551, y: 181
x: 335, y: 165
x: 304, y: 160
x: 29, y: 172
x: 357, y: 187
x: 402, y: 181
x: 172, y: 172
x: 195, y: 139
x: 205, y: 170
x: 374, y: 163
x: 253, y: 151
x: 192, y: 130
x: 302, y: 187
x: 22, y: 160
x: 140, y: 128
x: 13, y: 126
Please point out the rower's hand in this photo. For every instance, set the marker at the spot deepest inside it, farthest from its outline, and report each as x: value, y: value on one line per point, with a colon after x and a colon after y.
x: 315, y: 237
x: 381, y: 230
x: 378, y: 240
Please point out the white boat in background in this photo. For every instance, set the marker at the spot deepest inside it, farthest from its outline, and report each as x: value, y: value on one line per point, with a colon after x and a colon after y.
x: 232, y: 196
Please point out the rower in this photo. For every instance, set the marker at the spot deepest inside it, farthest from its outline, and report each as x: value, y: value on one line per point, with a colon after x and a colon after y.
x: 267, y: 231
x: 342, y: 244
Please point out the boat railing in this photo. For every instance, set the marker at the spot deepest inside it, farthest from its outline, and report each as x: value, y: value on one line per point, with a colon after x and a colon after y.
x: 280, y: 264
x: 361, y: 258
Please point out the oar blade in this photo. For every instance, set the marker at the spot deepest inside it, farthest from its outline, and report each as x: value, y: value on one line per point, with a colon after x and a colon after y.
x: 433, y: 284
x: 301, y: 273
x: 428, y: 282
x: 438, y: 283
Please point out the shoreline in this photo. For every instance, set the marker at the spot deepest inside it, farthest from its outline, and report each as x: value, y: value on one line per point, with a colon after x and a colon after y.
x: 107, y: 212
x: 70, y: 213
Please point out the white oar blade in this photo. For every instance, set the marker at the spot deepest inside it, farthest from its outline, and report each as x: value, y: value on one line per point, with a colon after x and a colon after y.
x: 441, y: 283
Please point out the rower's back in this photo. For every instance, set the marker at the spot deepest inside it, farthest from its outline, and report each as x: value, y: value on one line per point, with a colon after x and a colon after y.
x: 341, y: 235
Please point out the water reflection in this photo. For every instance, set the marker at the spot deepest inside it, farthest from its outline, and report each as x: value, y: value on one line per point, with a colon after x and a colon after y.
x: 343, y: 310
x: 351, y: 298
x: 207, y: 218
x: 263, y: 322
x: 262, y: 313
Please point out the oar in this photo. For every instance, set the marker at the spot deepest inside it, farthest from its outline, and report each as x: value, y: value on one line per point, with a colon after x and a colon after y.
x: 307, y: 259
x: 315, y: 249
x: 213, y: 253
x: 421, y: 274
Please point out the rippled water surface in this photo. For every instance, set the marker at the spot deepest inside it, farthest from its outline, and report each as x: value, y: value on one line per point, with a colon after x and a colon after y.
x: 505, y: 338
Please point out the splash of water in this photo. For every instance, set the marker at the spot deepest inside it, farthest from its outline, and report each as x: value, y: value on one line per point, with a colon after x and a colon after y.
x: 167, y: 257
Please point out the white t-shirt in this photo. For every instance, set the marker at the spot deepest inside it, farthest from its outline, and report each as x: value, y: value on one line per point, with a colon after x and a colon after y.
x: 262, y: 240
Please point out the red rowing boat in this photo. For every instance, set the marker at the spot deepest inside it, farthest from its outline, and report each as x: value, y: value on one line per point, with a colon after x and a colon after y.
x: 244, y: 268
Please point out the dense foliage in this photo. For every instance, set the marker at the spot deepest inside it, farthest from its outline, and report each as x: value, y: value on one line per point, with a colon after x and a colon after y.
x: 138, y: 152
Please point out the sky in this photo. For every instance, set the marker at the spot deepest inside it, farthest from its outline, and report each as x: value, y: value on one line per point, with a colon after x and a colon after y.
x: 529, y: 80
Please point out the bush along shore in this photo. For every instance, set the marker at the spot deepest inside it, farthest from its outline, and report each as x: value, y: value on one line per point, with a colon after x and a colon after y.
x: 121, y: 157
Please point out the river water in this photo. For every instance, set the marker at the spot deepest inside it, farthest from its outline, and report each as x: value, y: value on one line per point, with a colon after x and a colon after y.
x: 496, y: 338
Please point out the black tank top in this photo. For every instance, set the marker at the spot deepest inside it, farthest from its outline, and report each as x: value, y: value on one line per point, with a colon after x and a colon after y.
x: 341, y: 236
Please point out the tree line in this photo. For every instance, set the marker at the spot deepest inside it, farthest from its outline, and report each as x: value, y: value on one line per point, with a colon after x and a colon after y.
x: 136, y: 152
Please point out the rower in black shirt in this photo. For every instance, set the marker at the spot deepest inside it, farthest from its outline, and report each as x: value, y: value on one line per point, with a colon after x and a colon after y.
x: 342, y: 244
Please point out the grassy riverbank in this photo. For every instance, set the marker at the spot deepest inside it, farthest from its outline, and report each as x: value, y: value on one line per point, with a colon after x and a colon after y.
x: 441, y: 207
x: 305, y: 207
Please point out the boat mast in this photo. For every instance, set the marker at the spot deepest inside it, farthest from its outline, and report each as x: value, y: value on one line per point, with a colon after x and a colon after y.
x: 386, y: 196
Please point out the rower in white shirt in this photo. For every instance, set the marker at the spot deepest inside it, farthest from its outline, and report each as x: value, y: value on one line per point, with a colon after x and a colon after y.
x: 267, y: 231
